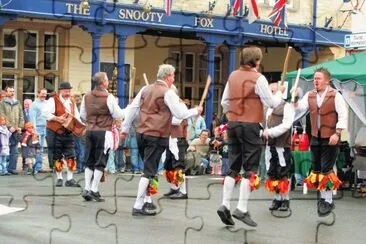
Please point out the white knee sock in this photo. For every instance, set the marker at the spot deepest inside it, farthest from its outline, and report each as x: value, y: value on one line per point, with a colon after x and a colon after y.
x: 147, y: 199
x: 174, y: 187
x: 227, y: 191
x: 59, y: 175
x: 322, y: 194
x: 70, y: 174
x: 96, y: 180
x: 183, y: 186
x: 141, y: 192
x: 88, y: 176
x: 277, y: 197
x: 244, y: 195
x: 328, y: 195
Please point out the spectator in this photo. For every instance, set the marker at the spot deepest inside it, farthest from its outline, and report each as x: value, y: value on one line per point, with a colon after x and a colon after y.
x: 4, y: 149
x: 26, y: 105
x: 39, y: 122
x: 2, y: 95
x: 12, y: 110
x: 197, y: 156
x: 79, y: 141
x: 216, y: 152
x: 214, y: 123
x: 30, y: 145
x: 136, y: 160
x: 120, y: 157
x: 225, y: 154
x: 195, y: 131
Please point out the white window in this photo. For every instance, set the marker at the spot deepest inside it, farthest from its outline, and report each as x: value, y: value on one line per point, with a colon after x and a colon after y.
x: 10, y: 47
x: 50, y: 52
x: 29, y: 87
x: 50, y: 83
x: 30, y: 50
x: 9, y: 81
x: 188, y: 67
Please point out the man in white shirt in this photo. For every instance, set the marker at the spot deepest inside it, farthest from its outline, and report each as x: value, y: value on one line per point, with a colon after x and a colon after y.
x: 328, y: 116
x: 156, y: 104
x: 60, y: 140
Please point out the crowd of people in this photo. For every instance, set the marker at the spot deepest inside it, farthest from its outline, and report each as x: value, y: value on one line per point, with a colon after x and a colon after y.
x: 163, y: 134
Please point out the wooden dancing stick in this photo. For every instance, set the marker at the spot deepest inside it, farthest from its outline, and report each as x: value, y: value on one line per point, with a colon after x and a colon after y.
x: 145, y: 79
x: 132, y: 84
x: 203, y: 98
x: 294, y: 88
x: 285, y: 66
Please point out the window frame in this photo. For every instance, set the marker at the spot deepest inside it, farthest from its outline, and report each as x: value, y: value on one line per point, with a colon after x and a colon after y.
x: 16, y: 33
x: 36, y: 51
x: 56, y: 49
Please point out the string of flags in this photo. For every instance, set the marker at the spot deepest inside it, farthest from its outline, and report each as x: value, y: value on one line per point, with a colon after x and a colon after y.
x: 277, y: 15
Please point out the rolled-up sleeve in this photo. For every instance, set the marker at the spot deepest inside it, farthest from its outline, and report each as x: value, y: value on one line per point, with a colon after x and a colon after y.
x: 49, y: 110
x: 342, y: 111
x: 178, y: 109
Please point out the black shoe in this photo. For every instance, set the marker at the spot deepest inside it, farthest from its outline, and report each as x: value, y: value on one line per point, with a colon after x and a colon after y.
x: 178, y: 196
x: 244, y: 217
x: 145, y: 211
x: 71, y: 183
x: 276, y: 204
x: 86, y: 195
x: 96, y: 196
x: 285, y: 206
x: 12, y: 172
x: 150, y: 206
x: 171, y: 192
x: 225, y: 215
x: 59, y: 183
x: 325, y: 208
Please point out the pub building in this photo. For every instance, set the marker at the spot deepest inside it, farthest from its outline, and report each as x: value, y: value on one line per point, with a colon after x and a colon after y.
x: 45, y: 42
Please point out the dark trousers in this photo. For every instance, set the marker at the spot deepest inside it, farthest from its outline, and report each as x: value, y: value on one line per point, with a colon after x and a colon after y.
x: 323, y: 155
x: 151, y: 148
x: 95, y: 158
x: 245, y: 147
x: 59, y: 146
x: 276, y: 171
x: 170, y: 162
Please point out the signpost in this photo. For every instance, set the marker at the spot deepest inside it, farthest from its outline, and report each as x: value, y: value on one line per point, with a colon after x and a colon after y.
x: 355, y: 41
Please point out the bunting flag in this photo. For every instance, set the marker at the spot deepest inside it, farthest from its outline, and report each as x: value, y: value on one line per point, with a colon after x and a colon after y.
x: 168, y: 7
x: 278, y: 14
x: 236, y: 6
x: 253, y: 11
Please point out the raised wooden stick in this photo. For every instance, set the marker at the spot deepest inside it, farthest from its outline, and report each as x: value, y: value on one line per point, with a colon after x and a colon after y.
x: 145, y: 79
x: 204, y: 95
x: 132, y: 84
x: 294, y: 88
x: 285, y: 66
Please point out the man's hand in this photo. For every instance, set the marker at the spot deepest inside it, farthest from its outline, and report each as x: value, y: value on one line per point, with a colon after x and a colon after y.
x: 199, y: 109
x: 19, y: 130
x: 281, y: 88
x: 334, y: 139
x: 61, y: 119
x: 265, y: 134
x: 11, y: 129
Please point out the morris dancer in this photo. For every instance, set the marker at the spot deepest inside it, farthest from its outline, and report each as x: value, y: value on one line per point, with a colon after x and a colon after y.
x: 243, y: 98
x: 278, y: 153
x: 60, y: 140
x: 328, y: 116
x: 98, y: 109
x: 156, y: 104
x: 174, y: 161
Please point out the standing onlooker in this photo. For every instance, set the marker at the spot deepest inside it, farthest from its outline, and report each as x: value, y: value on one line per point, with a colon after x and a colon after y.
x: 193, y: 131
x: 120, y: 157
x: 12, y: 110
x: 26, y: 106
x: 30, y: 143
x: 225, y: 154
x: 216, y: 143
x: 2, y: 95
x: 4, y: 149
x: 79, y: 141
x: 137, y: 164
x: 39, y: 122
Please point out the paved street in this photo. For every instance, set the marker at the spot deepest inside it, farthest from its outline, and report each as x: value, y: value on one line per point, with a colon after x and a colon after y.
x: 60, y: 215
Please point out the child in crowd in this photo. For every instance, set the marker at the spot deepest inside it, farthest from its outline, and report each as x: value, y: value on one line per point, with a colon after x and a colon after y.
x: 30, y: 146
x: 216, y: 144
x: 120, y: 157
x: 225, y: 154
x: 4, y: 146
x: 111, y: 163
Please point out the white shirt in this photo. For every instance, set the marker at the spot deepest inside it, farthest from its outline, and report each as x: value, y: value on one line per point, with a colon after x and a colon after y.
x: 288, y: 119
x: 340, y: 107
x: 261, y: 89
x: 49, y: 111
x: 171, y: 99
